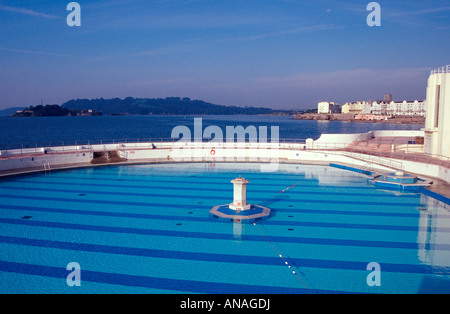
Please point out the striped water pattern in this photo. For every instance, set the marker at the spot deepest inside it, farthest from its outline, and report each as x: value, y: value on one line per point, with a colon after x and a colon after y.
x: 147, y: 229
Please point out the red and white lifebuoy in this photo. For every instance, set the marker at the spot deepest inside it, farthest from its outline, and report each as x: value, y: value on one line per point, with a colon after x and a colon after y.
x: 212, y: 152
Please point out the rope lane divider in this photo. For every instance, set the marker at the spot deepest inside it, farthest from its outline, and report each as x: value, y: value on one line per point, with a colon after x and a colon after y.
x: 282, y: 258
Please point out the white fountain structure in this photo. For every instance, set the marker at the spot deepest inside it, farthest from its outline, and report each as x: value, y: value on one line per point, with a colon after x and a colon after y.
x: 239, y: 210
x: 239, y: 194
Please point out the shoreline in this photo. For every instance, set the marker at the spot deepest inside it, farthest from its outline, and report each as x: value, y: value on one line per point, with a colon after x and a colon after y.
x: 351, y: 118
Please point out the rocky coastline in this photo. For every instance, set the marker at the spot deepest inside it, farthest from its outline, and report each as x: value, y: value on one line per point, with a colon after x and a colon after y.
x: 351, y: 118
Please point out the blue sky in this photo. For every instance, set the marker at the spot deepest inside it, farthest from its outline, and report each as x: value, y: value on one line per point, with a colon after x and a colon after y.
x: 284, y: 54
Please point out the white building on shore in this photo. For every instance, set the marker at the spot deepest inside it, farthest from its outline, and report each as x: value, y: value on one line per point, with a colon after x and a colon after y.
x: 328, y: 107
x: 407, y: 108
x: 393, y: 108
x: 366, y: 107
x: 379, y: 107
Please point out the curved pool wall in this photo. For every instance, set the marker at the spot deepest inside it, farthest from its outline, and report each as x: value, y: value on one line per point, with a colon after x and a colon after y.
x: 321, y: 151
x: 147, y: 229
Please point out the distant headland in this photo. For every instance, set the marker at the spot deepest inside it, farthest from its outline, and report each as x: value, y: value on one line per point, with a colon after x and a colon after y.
x: 139, y: 106
x: 159, y: 106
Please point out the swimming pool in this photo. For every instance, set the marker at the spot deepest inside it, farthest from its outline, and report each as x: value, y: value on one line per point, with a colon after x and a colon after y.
x: 147, y: 229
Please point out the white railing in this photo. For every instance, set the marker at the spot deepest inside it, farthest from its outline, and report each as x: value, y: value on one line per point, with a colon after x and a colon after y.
x: 444, y: 69
x: 377, y: 156
x: 89, y: 143
x: 46, y: 166
x: 372, y: 159
x: 403, y: 154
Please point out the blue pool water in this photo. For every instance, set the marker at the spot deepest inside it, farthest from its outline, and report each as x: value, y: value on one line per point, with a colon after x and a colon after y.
x: 147, y: 229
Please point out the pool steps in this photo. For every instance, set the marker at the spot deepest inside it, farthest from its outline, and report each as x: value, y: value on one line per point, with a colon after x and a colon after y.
x: 397, y: 180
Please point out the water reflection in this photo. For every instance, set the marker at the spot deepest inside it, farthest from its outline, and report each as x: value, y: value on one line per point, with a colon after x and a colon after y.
x: 237, y: 230
x: 434, y: 235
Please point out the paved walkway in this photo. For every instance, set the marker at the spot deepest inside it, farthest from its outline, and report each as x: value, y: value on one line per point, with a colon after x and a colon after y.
x: 383, y: 146
x: 440, y: 187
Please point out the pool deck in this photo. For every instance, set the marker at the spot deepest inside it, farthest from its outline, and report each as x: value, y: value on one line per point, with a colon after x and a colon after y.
x: 440, y: 187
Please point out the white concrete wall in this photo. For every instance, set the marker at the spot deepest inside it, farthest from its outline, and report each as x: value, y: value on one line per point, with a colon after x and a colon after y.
x: 229, y: 152
x: 342, y: 138
x: 398, y: 133
x: 54, y: 160
x: 423, y: 169
x: 444, y: 174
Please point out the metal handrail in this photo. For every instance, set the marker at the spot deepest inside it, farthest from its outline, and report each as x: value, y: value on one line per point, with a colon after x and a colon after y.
x: 290, y: 144
x: 118, y: 141
x: 380, y: 160
x: 424, y: 158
